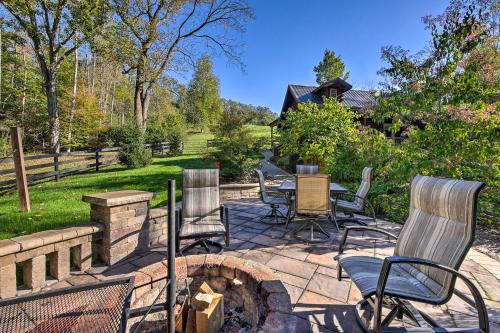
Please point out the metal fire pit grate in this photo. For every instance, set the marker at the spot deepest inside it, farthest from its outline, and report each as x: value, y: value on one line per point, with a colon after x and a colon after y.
x: 88, y: 308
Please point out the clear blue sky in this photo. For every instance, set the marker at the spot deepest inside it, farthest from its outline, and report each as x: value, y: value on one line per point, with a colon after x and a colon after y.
x: 288, y: 38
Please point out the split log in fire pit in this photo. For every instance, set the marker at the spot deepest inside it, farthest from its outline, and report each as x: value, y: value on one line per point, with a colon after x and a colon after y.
x: 204, y: 313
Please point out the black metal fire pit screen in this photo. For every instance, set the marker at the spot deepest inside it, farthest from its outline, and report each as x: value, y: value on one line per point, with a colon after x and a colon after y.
x: 97, y: 307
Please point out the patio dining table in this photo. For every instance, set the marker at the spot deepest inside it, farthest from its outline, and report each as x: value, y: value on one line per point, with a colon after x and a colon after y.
x: 290, y: 187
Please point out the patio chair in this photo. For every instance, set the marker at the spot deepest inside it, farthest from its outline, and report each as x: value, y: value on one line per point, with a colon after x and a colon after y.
x: 312, y: 198
x: 358, y: 204
x: 429, y: 251
x: 274, y: 199
x: 201, y: 216
x: 306, y: 169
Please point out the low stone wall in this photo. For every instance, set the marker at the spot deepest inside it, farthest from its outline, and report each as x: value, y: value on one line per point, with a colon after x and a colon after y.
x: 239, y: 191
x: 158, y: 227
x: 31, y: 251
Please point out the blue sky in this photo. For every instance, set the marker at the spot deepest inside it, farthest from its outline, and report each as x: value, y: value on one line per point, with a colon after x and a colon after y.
x: 288, y: 38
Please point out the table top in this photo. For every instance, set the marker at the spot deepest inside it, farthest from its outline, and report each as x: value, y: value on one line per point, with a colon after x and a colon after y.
x: 290, y: 186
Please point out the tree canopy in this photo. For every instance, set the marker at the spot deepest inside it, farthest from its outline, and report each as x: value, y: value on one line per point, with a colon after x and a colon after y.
x: 331, y: 67
x: 204, y: 105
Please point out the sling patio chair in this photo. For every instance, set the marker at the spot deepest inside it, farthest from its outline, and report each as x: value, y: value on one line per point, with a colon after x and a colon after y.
x: 306, y: 169
x: 429, y: 251
x: 358, y: 204
x: 274, y: 199
x: 312, y: 198
x: 202, y: 216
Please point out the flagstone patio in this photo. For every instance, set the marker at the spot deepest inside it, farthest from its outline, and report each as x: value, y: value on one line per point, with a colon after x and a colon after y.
x: 320, y: 302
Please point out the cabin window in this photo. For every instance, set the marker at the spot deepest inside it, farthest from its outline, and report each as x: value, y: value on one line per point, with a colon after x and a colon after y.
x: 332, y: 92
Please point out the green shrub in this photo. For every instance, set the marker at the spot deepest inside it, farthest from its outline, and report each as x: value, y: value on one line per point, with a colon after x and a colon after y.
x: 236, y: 149
x: 135, y: 155
x: 314, y: 132
x: 130, y: 137
x: 168, y: 129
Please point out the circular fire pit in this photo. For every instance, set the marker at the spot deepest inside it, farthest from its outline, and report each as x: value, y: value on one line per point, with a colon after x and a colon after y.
x: 254, y: 299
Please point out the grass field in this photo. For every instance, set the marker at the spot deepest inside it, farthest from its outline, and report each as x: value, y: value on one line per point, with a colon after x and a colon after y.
x: 59, y: 204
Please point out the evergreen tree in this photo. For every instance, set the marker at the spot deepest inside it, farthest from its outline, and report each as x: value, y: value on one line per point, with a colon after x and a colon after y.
x: 330, y: 67
x: 204, y: 105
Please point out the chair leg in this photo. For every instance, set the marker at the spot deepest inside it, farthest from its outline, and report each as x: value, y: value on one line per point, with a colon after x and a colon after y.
x: 204, y: 243
x: 275, y: 214
x: 313, y: 227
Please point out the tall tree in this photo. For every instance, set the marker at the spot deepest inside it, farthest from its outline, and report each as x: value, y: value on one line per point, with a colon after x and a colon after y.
x: 162, y: 35
x: 51, y: 27
x: 204, y: 103
x: 330, y: 68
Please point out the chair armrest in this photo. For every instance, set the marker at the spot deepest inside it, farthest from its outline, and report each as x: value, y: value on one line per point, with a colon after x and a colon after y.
x: 395, y: 260
x: 355, y: 196
x: 361, y: 228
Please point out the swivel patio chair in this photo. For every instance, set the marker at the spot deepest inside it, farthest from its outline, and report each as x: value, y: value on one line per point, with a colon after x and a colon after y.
x: 312, y: 198
x: 429, y: 251
x: 358, y: 204
x: 274, y: 199
x: 306, y: 169
x: 202, y: 216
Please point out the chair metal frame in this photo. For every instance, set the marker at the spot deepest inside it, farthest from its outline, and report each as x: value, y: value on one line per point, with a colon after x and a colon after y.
x: 203, y: 239
x: 274, y: 213
x: 399, y: 306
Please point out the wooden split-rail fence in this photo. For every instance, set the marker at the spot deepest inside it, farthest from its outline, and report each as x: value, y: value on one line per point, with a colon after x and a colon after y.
x: 20, y: 170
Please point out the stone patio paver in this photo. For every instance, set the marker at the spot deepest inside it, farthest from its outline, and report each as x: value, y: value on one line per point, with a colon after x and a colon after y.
x: 292, y: 266
x: 330, y: 287
x: 292, y: 279
x: 258, y: 256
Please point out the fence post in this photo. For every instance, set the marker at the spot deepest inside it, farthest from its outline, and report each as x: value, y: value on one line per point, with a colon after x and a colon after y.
x: 56, y: 167
x: 97, y: 160
x: 21, y: 179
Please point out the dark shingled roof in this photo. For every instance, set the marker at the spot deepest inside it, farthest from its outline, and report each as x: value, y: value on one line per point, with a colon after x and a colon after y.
x: 359, y: 98
x: 355, y: 98
x: 303, y: 94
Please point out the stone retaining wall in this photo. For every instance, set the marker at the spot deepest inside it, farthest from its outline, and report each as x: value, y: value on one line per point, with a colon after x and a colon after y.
x: 32, y: 251
x: 158, y: 226
x: 239, y: 191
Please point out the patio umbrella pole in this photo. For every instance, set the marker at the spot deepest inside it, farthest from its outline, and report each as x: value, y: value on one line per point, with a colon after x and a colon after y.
x: 171, y: 256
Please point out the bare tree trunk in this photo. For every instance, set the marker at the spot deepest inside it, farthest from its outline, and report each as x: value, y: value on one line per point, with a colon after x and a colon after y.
x: 93, y: 73
x: 25, y: 83
x: 138, y: 103
x: 111, y: 111
x: 1, y: 105
x: 50, y: 89
x: 73, y: 101
x: 87, y: 68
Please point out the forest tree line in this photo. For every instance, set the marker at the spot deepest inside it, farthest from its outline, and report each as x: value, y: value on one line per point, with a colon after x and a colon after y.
x: 71, y: 70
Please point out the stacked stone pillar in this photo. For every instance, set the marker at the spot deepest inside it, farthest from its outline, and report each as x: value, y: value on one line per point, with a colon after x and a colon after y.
x: 125, y: 216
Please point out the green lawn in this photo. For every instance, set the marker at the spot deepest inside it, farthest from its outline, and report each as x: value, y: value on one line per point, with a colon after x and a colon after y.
x: 58, y: 204
x: 260, y: 131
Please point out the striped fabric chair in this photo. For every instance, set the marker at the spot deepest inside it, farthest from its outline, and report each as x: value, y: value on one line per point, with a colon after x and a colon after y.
x: 202, y: 216
x: 429, y: 251
x: 304, y: 169
x: 358, y: 204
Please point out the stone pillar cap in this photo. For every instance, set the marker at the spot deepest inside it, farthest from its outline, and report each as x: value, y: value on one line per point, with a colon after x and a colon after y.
x: 118, y: 198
